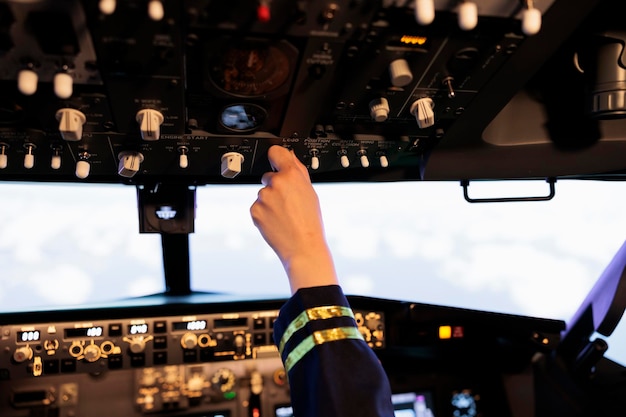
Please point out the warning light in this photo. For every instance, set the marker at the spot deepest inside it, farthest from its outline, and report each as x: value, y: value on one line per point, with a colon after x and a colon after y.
x: 458, y: 332
x: 413, y: 40
x: 445, y: 332
x: 230, y: 395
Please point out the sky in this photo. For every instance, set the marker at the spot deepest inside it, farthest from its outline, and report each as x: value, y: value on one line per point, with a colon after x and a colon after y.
x: 419, y: 242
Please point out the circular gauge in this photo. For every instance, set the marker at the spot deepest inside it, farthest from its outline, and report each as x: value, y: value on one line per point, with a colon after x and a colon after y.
x: 242, y: 117
x: 464, y: 404
x: 250, y: 69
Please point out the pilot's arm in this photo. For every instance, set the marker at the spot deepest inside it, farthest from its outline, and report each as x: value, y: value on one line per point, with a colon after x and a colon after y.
x: 332, y: 371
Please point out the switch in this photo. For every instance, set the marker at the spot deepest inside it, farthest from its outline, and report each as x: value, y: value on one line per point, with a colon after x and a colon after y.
x: 55, y: 161
x: 531, y: 19
x: 129, y: 164
x: 83, y: 166
x: 107, y: 6
x: 92, y: 353
x: 4, y: 160
x: 155, y: 10
x: 263, y: 11
x: 400, y: 73
x: 422, y: 110
x: 343, y: 159
x: 27, y: 80
x: 424, y: 11
x: 183, y: 160
x: 149, y: 123
x: 63, y: 85
x: 231, y: 164
x: 362, y: 154
x: 29, y: 158
x: 384, y: 162
x: 315, y: 159
x: 189, y: 341
x: 379, y: 109
x: 468, y: 15
x: 71, y: 123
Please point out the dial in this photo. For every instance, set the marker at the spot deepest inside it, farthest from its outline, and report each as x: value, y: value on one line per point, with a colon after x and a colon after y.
x: 223, y: 380
x: 250, y: 69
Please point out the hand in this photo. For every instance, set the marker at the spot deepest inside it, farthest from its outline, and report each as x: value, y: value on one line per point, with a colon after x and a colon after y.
x: 287, y: 213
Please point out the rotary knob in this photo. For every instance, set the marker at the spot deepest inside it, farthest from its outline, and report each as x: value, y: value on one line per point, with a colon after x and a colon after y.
x: 150, y: 121
x: 22, y: 353
x: 422, y: 110
x: 400, y: 73
x: 379, y: 109
x: 189, y: 341
x: 137, y: 344
x: 92, y: 353
x: 71, y: 123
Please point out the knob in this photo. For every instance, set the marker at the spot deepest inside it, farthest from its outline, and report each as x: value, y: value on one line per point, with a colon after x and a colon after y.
x: 22, y: 353
x: 422, y: 110
x: 231, y: 164
x: 29, y: 158
x: 468, y: 15
x: 365, y: 162
x: 424, y: 11
x: 183, y: 160
x: 149, y: 123
x: 4, y: 160
x: 155, y: 10
x: 531, y: 20
x: 27, y: 81
x: 400, y: 73
x: 63, y: 85
x: 107, y: 6
x: 345, y: 162
x: 137, y: 344
x: 92, y: 353
x: 129, y: 163
x: 189, y: 341
x: 240, y: 345
x: 379, y: 109
x: 384, y: 162
x: 83, y: 166
x: 71, y: 123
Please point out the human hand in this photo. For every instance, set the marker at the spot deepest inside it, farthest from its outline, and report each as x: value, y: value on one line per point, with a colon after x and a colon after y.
x: 288, y: 215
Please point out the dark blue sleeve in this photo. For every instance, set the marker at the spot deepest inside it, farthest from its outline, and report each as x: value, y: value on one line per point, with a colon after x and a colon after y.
x: 332, y: 371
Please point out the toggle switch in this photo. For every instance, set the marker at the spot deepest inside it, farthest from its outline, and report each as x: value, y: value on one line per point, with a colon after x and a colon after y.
x: 343, y: 158
x: 400, y: 73
x: 183, y: 160
x: 379, y: 109
x: 83, y: 166
x: 447, y: 82
x: 27, y: 80
x: 29, y: 158
x: 315, y: 159
x: 231, y: 164
x: 422, y: 110
x: 362, y: 154
x: 468, y: 15
x: 63, y: 85
x: 149, y: 123
x: 531, y: 19
x: 71, y: 123
x: 129, y: 164
x: 107, y: 6
x: 424, y: 11
x: 4, y: 160
x: 384, y: 162
x: 55, y: 161
x: 155, y: 10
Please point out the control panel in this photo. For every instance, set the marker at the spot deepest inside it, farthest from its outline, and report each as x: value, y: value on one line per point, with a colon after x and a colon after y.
x: 197, y: 90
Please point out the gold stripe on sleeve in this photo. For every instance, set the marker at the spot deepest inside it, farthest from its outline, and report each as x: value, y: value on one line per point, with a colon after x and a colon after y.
x: 318, y: 338
x: 317, y: 313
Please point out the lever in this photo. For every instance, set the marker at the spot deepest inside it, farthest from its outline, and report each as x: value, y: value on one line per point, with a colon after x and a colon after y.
x: 468, y: 15
x: 424, y: 11
x: 531, y: 19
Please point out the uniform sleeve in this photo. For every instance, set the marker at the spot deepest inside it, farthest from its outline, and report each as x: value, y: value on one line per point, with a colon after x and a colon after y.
x: 332, y: 371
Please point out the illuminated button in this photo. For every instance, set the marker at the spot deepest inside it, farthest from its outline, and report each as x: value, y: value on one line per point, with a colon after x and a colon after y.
x: 51, y: 366
x: 160, y: 327
x: 159, y: 358
x: 445, y: 332
x: 68, y: 365
x: 160, y: 342
x: 259, y: 323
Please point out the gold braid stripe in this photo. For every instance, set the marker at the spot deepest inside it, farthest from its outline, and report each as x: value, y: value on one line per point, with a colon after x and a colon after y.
x: 317, y: 313
x: 318, y: 338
